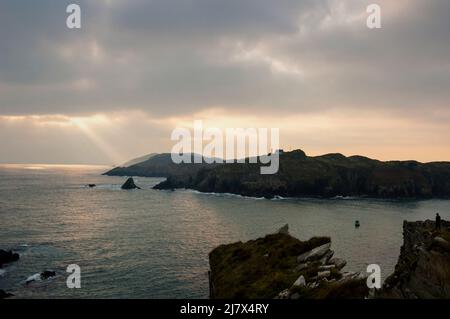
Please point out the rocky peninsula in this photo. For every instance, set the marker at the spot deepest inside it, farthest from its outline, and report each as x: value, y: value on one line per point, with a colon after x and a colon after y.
x: 323, y: 176
x: 283, y: 267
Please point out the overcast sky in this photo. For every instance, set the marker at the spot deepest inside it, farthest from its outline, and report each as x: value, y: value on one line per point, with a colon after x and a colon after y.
x: 116, y: 88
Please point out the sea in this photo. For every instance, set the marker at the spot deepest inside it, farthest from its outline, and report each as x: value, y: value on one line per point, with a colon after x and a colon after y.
x: 154, y: 244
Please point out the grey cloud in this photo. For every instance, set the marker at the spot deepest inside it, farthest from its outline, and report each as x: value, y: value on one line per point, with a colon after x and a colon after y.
x: 175, y: 57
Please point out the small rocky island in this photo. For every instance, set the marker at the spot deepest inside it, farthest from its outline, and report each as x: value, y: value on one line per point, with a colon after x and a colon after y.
x: 281, y: 266
x: 129, y: 184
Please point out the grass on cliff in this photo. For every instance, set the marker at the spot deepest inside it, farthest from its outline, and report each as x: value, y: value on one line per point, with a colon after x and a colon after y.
x: 259, y: 268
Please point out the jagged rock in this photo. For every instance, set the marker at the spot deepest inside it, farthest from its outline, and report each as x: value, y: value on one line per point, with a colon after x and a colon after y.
x: 327, y: 267
x: 283, y: 230
x: 338, y: 262
x: 284, y: 294
x: 4, y: 294
x: 314, y: 254
x: 324, y: 260
x: 47, y: 274
x: 422, y: 267
x: 129, y: 184
x: 301, y: 267
x: 300, y: 282
x: 323, y: 274
x: 7, y: 257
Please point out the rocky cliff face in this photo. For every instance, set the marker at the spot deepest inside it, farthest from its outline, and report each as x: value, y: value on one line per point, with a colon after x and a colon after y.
x: 320, y: 176
x: 423, y: 268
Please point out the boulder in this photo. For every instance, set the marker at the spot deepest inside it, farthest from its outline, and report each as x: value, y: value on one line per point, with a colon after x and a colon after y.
x: 283, y: 295
x: 323, y: 274
x: 338, y: 262
x: 314, y: 254
x: 327, y: 267
x: 324, y: 260
x: 283, y: 230
x: 300, y: 282
x: 301, y: 267
x: 47, y: 274
x: 7, y: 257
x: 129, y: 184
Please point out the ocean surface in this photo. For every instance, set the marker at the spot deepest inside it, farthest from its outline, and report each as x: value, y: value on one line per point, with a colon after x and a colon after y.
x: 155, y: 244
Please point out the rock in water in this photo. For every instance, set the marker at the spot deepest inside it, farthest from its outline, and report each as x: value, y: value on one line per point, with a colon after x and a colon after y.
x: 129, y: 184
x: 7, y: 257
x: 283, y: 230
x: 47, y: 274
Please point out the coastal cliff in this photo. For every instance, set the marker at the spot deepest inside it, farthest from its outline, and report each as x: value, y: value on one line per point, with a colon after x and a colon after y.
x: 323, y: 176
x: 423, y: 267
x: 283, y: 267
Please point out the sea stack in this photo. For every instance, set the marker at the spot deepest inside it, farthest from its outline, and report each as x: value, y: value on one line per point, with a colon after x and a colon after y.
x: 129, y: 184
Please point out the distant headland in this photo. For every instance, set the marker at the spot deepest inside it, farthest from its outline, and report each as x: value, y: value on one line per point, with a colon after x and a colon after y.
x: 300, y: 175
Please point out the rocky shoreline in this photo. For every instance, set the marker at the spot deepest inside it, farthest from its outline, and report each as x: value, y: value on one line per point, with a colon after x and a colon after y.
x: 7, y: 257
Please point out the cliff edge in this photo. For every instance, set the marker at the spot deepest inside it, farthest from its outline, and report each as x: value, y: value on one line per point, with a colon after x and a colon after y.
x: 423, y: 267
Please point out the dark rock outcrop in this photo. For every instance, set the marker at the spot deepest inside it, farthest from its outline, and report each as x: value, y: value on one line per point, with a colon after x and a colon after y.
x: 129, y: 184
x: 281, y: 266
x: 47, y: 274
x: 4, y: 294
x: 423, y: 268
x: 7, y: 257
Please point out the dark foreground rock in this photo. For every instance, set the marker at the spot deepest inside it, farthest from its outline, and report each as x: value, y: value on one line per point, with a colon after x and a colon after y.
x: 7, y: 257
x: 4, y: 294
x: 423, y: 268
x: 281, y: 266
x: 129, y: 184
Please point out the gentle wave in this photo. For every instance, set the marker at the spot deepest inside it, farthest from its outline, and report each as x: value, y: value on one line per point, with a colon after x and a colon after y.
x: 35, y: 277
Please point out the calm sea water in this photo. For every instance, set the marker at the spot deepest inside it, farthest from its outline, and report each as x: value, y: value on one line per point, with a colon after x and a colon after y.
x: 154, y: 244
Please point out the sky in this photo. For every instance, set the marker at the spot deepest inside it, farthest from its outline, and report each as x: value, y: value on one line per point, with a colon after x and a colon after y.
x: 116, y: 88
